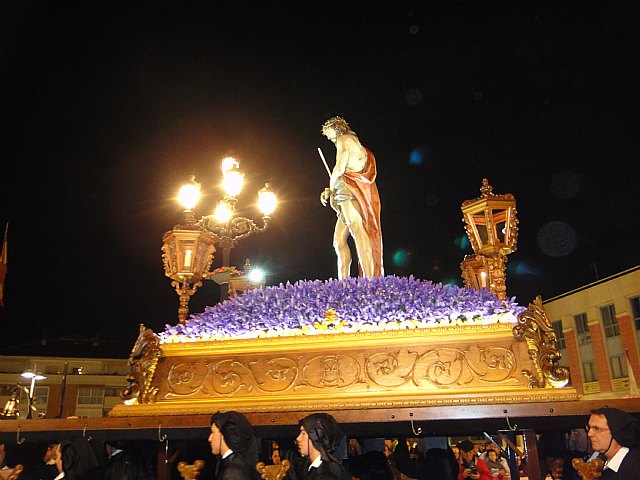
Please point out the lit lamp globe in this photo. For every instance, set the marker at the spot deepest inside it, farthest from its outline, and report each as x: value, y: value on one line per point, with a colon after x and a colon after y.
x: 232, y: 180
x: 223, y: 212
x: 266, y: 200
x: 229, y: 163
x: 188, y: 197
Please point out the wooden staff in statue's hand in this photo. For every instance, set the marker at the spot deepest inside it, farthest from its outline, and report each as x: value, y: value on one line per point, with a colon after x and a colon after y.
x: 326, y: 194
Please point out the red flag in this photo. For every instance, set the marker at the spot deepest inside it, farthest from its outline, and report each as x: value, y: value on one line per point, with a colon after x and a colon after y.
x: 3, y: 265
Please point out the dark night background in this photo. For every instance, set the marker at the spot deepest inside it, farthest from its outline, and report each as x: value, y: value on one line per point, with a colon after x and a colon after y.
x: 108, y: 107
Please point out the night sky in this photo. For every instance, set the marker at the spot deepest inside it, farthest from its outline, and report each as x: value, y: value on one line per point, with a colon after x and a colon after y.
x: 108, y: 107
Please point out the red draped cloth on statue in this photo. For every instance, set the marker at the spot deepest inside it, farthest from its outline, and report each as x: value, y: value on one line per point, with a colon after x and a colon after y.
x: 363, y: 187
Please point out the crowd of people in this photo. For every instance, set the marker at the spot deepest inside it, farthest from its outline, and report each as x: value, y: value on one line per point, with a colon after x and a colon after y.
x: 321, y: 452
x: 77, y: 459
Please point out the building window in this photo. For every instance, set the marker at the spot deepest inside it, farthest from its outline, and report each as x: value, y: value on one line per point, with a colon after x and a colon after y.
x: 5, y: 390
x: 635, y: 310
x: 112, y: 391
x: 618, y: 366
x: 90, y: 395
x: 589, y: 370
x: 557, y: 329
x: 582, y: 328
x: 609, y: 320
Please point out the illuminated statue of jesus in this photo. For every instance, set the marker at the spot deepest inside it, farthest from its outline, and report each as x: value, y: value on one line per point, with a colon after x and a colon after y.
x: 353, y: 194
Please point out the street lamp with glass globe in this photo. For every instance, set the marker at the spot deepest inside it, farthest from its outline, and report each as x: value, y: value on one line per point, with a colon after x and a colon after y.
x: 188, y: 249
x: 34, y: 377
x: 224, y: 225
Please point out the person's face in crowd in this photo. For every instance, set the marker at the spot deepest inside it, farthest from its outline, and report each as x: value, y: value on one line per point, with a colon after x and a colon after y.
x: 215, y: 440
x: 50, y: 454
x: 468, y: 456
x: 302, y: 440
x: 388, y: 445
x: 600, y: 435
x: 275, y: 457
x: 456, y: 451
x: 492, y: 455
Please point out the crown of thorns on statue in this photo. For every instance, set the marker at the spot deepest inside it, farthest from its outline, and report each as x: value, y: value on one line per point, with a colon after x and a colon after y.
x: 339, y: 124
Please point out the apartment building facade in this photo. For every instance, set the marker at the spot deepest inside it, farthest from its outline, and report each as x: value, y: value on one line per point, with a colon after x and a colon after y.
x: 82, y: 387
x: 598, y: 332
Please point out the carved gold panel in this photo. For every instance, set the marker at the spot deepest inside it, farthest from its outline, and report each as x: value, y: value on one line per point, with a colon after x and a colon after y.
x: 446, y: 365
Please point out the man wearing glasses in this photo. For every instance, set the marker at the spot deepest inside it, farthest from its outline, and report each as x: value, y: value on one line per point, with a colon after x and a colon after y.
x: 616, y: 435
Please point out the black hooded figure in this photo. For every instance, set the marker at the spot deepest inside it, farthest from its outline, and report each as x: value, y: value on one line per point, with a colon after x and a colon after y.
x: 624, y: 433
x: 325, y: 435
x: 232, y: 437
x: 79, y: 461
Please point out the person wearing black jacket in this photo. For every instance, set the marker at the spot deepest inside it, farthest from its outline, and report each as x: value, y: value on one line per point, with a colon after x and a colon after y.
x: 233, y: 439
x: 319, y: 437
x: 616, y: 435
x: 437, y: 463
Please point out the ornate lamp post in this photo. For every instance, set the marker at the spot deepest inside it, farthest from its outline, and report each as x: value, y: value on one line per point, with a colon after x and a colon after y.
x: 492, y: 228
x: 224, y: 225
x: 188, y: 250
x: 34, y: 377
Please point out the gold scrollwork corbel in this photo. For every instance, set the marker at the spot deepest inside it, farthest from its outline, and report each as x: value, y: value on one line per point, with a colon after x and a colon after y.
x: 142, y: 365
x: 534, y: 327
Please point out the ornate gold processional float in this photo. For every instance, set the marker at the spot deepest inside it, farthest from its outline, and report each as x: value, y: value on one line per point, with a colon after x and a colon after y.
x: 351, y: 344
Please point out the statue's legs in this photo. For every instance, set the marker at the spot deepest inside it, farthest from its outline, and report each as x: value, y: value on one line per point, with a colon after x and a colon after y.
x: 340, y: 237
x: 355, y: 226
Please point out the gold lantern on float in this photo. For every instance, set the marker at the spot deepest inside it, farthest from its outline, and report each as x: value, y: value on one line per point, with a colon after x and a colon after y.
x: 187, y: 252
x: 492, y: 228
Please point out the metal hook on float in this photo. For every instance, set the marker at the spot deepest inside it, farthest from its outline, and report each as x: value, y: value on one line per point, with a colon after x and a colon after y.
x: 84, y: 433
x: 515, y: 426
x: 161, y: 438
x: 415, y: 431
x: 19, y: 440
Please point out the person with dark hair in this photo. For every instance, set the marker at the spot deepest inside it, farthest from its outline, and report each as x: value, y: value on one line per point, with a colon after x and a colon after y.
x: 319, y: 437
x: 436, y: 464
x: 288, y: 450
x: 127, y: 461
x: 471, y: 467
x: 616, y: 435
x: 233, y: 439
x: 76, y: 460
x: 371, y: 465
x: 48, y: 469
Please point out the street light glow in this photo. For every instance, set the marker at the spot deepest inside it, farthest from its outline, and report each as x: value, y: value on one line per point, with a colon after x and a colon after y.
x: 228, y: 163
x: 232, y: 182
x: 223, y: 213
x: 256, y: 275
x: 189, y: 195
x: 266, y: 200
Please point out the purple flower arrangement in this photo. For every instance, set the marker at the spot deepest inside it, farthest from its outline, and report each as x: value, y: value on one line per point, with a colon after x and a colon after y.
x: 342, y: 306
